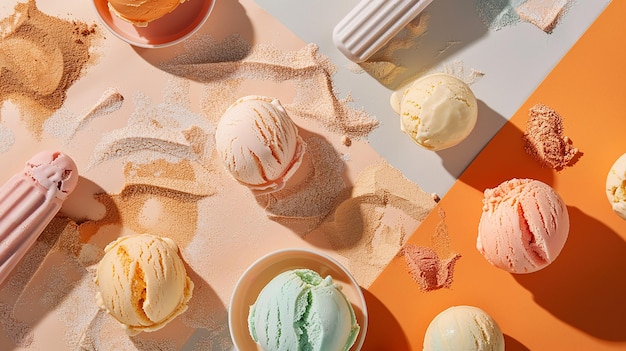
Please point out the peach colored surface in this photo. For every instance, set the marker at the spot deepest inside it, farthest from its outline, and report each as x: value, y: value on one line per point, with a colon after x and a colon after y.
x: 578, y: 302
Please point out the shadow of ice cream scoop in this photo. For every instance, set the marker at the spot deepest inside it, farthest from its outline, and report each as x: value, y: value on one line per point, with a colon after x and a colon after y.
x: 585, y: 285
x: 513, y: 344
x: 382, y: 326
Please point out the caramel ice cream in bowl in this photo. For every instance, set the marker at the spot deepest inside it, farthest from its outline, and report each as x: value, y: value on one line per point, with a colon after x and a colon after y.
x: 153, y: 23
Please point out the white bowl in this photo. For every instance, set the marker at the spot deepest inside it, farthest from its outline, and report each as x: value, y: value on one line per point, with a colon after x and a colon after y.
x: 254, y: 279
x: 168, y: 30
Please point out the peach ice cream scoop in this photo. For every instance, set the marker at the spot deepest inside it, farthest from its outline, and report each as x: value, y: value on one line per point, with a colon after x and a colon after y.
x: 259, y: 143
x: 523, y: 227
x: 141, y: 12
x: 142, y: 282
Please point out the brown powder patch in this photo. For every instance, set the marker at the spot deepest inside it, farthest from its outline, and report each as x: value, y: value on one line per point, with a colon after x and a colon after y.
x: 545, y: 14
x: 150, y: 209
x: 184, y: 176
x: 544, y: 140
x: 428, y: 270
x: 41, y: 57
x: 432, y: 268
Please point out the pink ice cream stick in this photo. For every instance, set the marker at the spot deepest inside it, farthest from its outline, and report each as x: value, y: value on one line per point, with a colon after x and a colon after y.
x: 28, y: 202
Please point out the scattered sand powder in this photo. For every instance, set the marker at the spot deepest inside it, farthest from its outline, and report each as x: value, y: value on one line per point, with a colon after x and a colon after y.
x: 310, y: 72
x: 544, y: 140
x: 545, y: 14
x: 129, y: 208
x: 459, y: 69
x: 370, y: 226
x: 65, y: 124
x: 62, y: 48
x: 7, y: 139
x: 168, y: 130
x: 498, y: 14
x: 432, y: 268
x: 184, y: 176
x: 20, y: 333
x: 428, y: 270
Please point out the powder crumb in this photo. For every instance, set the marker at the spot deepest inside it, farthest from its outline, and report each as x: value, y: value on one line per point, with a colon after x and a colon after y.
x: 110, y: 101
x: 65, y: 124
x: 21, y: 334
x: 167, y: 130
x: 428, y: 270
x: 346, y: 141
x: 544, y: 140
x: 498, y: 14
x: 458, y: 69
x: 7, y: 139
x: 62, y: 48
x: 435, y: 197
x: 545, y: 14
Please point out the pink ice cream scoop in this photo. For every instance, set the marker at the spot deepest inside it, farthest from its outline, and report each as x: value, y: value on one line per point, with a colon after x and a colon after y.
x: 523, y: 227
x: 28, y: 202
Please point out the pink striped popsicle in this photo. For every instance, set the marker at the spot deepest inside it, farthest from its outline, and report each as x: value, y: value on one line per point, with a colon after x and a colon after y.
x: 28, y: 202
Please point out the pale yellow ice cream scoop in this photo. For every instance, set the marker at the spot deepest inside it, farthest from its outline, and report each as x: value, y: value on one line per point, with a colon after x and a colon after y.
x: 463, y: 328
x: 616, y: 186
x: 437, y: 111
x: 142, y: 282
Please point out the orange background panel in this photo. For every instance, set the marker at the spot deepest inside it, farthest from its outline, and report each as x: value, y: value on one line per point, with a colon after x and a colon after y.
x: 578, y: 302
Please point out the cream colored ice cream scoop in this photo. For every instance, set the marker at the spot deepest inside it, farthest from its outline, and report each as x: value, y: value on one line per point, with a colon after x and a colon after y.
x: 259, y: 143
x: 523, y: 226
x: 437, y: 111
x: 28, y: 202
x: 142, y: 282
x: 616, y: 186
x: 463, y: 328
